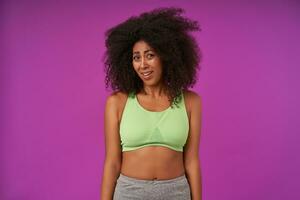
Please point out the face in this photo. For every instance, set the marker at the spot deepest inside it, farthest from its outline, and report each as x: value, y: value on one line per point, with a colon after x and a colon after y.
x: 146, y: 63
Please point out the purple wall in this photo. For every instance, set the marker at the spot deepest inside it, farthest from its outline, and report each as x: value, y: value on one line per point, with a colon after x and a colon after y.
x: 53, y: 94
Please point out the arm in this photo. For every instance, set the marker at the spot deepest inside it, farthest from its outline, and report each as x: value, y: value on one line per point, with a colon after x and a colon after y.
x: 191, y: 157
x: 113, y: 154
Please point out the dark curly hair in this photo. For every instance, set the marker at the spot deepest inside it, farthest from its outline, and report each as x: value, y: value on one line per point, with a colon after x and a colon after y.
x: 167, y: 32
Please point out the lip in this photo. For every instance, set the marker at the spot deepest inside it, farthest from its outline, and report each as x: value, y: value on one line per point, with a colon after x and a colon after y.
x: 148, y: 76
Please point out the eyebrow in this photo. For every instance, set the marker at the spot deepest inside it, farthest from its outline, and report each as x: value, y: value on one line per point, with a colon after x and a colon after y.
x: 135, y: 52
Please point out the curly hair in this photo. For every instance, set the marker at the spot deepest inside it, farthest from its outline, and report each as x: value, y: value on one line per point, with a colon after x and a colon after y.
x: 167, y: 32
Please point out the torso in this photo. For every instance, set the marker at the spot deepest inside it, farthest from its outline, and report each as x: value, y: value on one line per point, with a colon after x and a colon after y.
x: 152, y: 162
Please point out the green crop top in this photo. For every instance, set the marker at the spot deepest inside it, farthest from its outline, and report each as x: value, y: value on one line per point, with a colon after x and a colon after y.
x: 140, y: 127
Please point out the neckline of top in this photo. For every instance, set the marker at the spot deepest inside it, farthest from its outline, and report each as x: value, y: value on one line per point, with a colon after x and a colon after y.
x: 149, y: 111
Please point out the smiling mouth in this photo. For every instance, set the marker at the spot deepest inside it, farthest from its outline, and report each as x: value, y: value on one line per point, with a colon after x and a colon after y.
x: 147, y: 74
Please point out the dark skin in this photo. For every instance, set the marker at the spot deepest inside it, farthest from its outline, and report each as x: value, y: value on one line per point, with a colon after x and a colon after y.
x: 151, y: 162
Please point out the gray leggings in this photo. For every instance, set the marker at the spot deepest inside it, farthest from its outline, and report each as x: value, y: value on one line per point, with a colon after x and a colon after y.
x: 129, y: 188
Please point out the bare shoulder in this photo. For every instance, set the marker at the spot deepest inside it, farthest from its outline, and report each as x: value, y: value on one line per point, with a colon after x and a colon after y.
x: 192, y: 98
x: 117, y: 100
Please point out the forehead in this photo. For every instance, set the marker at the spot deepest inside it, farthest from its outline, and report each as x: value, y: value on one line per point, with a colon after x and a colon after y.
x: 141, y: 46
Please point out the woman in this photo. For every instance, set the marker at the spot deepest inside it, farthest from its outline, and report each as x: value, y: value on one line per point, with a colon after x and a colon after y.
x: 152, y: 121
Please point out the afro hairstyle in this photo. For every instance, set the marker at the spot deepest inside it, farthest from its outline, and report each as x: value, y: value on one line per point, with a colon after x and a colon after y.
x: 168, y: 33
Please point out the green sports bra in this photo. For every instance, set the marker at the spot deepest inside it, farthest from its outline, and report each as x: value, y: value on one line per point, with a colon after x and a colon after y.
x: 140, y: 127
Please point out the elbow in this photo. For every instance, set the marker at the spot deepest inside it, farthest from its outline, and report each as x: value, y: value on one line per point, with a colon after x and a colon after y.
x: 113, y: 164
x: 191, y: 165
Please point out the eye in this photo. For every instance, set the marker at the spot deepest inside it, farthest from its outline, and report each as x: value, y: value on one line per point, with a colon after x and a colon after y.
x: 150, y: 55
x: 135, y: 57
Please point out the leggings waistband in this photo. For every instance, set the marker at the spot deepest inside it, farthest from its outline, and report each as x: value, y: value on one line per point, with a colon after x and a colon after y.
x: 128, y: 179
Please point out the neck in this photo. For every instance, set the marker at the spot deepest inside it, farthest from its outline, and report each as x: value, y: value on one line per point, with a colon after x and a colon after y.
x: 155, y: 92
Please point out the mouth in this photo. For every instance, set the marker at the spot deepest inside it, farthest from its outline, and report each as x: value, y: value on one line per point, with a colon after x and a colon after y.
x: 147, y: 75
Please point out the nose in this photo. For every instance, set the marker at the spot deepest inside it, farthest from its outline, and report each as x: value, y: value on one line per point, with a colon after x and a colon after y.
x: 144, y: 64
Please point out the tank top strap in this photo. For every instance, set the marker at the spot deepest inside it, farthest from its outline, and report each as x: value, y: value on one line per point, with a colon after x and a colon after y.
x: 182, y: 97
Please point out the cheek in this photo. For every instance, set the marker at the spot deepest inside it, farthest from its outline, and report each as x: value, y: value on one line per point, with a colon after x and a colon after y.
x: 158, y: 66
x: 134, y: 66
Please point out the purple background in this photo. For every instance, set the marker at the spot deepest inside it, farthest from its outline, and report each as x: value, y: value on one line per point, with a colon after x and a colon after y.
x: 53, y: 95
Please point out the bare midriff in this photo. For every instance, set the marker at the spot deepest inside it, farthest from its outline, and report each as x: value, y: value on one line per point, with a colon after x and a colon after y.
x: 152, y: 163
